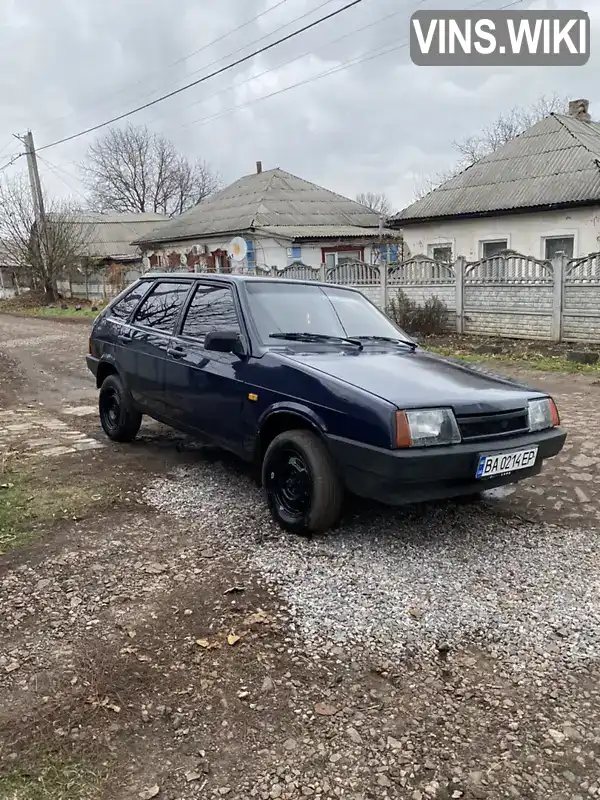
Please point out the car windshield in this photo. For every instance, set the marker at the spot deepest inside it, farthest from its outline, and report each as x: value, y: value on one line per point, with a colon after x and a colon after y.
x: 279, y: 308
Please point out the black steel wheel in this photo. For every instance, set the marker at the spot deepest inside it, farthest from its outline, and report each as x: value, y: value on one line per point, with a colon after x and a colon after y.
x: 118, y: 417
x: 303, y: 490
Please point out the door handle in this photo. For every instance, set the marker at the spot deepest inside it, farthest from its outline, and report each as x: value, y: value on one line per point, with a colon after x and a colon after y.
x: 176, y: 351
x: 125, y: 336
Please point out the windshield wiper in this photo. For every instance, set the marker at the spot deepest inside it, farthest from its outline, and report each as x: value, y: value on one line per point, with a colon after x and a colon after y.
x: 315, y: 337
x: 412, y: 345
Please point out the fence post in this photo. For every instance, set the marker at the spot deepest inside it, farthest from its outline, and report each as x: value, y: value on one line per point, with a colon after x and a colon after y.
x: 322, y: 272
x: 459, y: 272
x: 384, y: 268
x: 558, y: 278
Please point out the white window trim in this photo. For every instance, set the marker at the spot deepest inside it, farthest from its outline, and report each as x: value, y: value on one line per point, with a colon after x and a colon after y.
x: 338, y: 253
x: 492, y: 240
x: 444, y: 243
x: 560, y: 234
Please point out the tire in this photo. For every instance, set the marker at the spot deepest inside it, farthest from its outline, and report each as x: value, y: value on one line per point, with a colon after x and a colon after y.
x: 303, y: 489
x: 118, y: 417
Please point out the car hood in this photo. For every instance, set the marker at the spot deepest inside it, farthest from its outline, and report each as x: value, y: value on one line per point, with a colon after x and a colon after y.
x: 419, y: 379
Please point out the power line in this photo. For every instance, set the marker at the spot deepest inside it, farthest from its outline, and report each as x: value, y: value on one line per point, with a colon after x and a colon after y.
x: 12, y: 161
x: 254, y: 41
x: 369, y: 56
x: 190, y: 55
x: 290, y: 61
x: 296, y: 58
x: 206, y: 77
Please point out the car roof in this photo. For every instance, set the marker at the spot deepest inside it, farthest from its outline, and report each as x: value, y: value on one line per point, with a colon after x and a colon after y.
x: 229, y: 278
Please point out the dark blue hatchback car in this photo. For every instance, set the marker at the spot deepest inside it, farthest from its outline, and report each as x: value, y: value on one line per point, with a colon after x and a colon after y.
x: 318, y: 388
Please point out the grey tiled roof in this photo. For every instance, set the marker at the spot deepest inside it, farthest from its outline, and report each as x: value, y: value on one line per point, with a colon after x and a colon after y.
x: 111, y: 235
x: 555, y: 162
x: 260, y: 200
x: 325, y: 231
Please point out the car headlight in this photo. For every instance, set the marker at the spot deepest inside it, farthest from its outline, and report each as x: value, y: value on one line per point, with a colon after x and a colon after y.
x: 422, y: 427
x: 542, y: 414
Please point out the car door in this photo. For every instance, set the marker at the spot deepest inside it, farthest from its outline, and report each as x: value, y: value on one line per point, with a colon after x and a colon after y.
x: 205, y: 389
x: 146, y: 340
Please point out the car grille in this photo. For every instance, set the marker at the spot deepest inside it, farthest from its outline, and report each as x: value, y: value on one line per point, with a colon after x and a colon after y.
x: 475, y: 427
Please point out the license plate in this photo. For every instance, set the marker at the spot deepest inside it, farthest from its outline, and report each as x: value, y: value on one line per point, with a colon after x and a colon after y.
x: 503, y: 463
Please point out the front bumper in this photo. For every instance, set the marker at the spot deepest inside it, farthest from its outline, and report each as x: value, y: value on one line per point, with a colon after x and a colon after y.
x: 92, y: 363
x: 396, y: 477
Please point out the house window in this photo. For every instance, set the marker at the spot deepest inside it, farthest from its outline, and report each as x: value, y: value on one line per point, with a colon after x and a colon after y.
x: 492, y: 247
x: 250, y: 255
x: 553, y: 245
x: 294, y: 253
x: 333, y: 257
x: 440, y: 252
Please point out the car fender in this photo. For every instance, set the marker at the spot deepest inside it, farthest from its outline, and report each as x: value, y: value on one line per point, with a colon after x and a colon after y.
x: 290, y: 407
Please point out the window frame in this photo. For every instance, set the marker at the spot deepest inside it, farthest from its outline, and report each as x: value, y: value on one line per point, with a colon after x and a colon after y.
x: 236, y: 302
x: 434, y: 245
x: 495, y: 240
x: 344, y: 248
x: 125, y: 293
x: 139, y: 326
x: 566, y: 235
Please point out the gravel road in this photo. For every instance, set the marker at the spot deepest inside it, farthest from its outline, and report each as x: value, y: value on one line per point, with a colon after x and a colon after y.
x: 448, y: 651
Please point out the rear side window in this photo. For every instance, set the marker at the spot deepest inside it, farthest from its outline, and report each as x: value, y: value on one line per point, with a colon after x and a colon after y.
x: 125, y: 306
x: 212, y: 309
x: 162, y: 306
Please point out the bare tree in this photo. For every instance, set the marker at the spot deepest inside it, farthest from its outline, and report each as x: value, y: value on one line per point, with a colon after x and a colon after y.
x: 132, y: 169
x: 376, y: 201
x: 41, y: 255
x: 503, y: 129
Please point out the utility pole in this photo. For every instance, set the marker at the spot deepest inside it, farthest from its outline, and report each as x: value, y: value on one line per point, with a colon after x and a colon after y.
x: 38, y: 202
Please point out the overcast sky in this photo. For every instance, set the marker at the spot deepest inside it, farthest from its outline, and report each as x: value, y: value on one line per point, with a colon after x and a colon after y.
x: 377, y: 125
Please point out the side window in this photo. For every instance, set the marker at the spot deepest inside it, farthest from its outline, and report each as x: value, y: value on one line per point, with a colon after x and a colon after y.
x: 162, y: 306
x: 212, y: 309
x: 125, y: 306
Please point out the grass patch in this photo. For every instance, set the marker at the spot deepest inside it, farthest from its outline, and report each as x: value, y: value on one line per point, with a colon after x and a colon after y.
x: 51, y: 779
x: 34, y: 304
x: 28, y: 504
x: 47, y: 312
x: 530, y: 360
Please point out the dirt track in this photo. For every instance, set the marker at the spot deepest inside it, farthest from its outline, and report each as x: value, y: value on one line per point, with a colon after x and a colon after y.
x: 114, y: 656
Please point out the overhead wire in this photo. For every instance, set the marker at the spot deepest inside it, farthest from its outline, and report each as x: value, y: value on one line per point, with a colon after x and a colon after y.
x: 213, y: 74
x: 181, y: 59
x: 245, y: 46
x: 322, y: 46
x: 319, y: 47
x: 368, y: 56
x: 11, y: 161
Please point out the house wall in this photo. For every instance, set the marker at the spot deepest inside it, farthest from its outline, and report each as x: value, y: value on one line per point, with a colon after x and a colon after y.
x: 7, y: 288
x: 269, y: 252
x: 524, y: 232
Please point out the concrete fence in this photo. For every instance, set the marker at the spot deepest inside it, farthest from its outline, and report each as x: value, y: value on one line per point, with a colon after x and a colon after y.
x: 510, y: 294
x: 99, y: 286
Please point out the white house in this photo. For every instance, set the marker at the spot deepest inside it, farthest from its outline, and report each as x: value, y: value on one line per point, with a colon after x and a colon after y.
x: 282, y: 219
x: 539, y: 195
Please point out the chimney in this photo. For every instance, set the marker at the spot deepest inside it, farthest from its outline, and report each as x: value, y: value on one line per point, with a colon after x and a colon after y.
x: 579, y: 110
x: 259, y: 163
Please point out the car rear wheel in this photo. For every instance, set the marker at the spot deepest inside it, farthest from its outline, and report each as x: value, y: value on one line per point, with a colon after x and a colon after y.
x: 303, y: 489
x: 119, y: 419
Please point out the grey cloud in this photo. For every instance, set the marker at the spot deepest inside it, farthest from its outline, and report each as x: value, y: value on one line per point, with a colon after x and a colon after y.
x: 67, y: 65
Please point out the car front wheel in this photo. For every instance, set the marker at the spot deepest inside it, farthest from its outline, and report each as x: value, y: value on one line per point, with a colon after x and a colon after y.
x: 303, y: 489
x: 118, y: 417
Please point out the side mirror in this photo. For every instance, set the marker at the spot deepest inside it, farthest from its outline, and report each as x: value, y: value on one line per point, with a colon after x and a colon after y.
x: 224, y: 342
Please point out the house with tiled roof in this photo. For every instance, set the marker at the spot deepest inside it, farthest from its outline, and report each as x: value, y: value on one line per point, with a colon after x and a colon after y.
x: 280, y: 218
x: 539, y: 194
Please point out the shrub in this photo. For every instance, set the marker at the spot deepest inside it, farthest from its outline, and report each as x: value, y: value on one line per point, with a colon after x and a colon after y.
x: 430, y: 319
